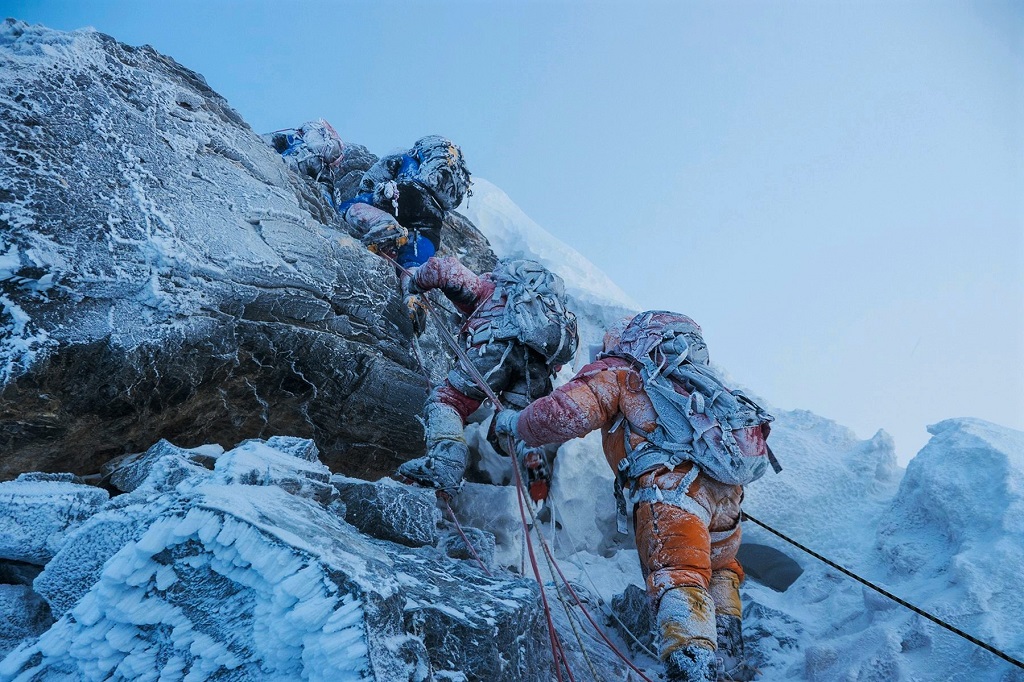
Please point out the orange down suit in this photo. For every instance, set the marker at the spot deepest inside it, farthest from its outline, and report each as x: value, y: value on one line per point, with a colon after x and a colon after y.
x: 688, y: 549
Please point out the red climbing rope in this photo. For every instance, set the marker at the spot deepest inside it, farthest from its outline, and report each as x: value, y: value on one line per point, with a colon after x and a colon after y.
x: 556, y: 646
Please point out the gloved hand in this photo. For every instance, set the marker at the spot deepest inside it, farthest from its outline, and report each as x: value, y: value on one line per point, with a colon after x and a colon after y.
x: 380, y: 230
x: 505, y: 423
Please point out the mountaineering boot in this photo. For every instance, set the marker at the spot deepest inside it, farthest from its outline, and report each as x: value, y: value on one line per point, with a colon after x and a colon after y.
x: 691, y: 663
x: 536, y: 474
x: 686, y: 623
x: 732, y: 664
x: 445, y: 461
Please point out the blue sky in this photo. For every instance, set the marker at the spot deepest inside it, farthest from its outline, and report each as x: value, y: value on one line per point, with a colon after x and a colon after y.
x: 834, y: 190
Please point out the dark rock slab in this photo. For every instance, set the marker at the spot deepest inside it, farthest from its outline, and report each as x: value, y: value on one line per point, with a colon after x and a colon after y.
x: 390, y: 511
x: 177, y: 280
x: 636, y: 622
x: 768, y: 566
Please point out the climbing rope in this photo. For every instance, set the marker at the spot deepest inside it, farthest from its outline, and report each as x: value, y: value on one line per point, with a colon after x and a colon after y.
x: 576, y: 598
x: 608, y: 611
x: 890, y: 595
x: 446, y: 498
x: 556, y: 647
x: 573, y: 619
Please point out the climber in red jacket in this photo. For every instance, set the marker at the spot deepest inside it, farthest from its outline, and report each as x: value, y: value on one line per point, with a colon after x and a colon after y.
x: 516, y: 335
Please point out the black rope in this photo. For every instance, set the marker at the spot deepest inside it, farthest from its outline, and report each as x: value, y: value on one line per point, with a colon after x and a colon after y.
x: 920, y: 612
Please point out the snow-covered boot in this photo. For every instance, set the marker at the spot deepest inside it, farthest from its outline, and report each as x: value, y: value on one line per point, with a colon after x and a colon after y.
x: 686, y: 624
x: 691, y: 663
x: 732, y: 664
x: 445, y: 461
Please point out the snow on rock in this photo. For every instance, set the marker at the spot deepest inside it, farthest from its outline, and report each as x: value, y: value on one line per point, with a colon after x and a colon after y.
x: 833, y: 488
x: 23, y: 614
x: 164, y: 465
x: 389, y: 510
x: 954, y: 539
x: 948, y: 540
x: 494, y: 508
x: 224, y: 574
x: 582, y: 498
x: 286, y: 462
x: 37, y: 513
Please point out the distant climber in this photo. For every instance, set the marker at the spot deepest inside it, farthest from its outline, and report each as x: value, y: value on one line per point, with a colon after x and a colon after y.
x: 517, y: 334
x: 314, y: 150
x: 682, y: 446
x: 403, y: 199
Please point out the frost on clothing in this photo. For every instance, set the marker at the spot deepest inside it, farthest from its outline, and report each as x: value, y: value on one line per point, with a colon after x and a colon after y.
x: 686, y: 522
x: 416, y: 188
x: 512, y: 369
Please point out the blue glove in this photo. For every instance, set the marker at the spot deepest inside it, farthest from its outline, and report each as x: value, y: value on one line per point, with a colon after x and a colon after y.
x: 505, y: 423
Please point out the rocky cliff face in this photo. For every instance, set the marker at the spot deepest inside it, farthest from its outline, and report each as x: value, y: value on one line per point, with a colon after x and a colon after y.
x: 164, y: 275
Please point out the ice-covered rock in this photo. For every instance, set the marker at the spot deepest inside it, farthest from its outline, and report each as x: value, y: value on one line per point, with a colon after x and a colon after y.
x: 231, y: 575
x: 481, y: 545
x: 389, y: 510
x: 496, y: 509
x: 177, y: 280
x: 37, y: 512
x: 474, y: 627
x: 163, y: 466
x: 954, y: 538
x: 23, y: 614
x: 634, y: 619
x: 286, y: 462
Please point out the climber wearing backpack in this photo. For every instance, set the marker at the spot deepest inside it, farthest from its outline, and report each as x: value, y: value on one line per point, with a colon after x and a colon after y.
x: 313, y: 150
x: 517, y: 334
x: 682, y: 446
x: 404, y: 197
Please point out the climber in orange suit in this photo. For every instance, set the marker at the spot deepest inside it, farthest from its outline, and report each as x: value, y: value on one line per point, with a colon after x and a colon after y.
x: 686, y: 518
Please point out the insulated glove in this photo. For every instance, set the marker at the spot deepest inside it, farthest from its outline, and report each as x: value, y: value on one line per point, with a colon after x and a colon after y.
x: 412, y: 297
x: 380, y: 231
x: 505, y: 423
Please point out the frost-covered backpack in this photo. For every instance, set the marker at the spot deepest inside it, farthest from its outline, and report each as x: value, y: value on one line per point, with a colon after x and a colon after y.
x: 441, y: 169
x: 698, y: 418
x: 315, y: 148
x: 534, y: 312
